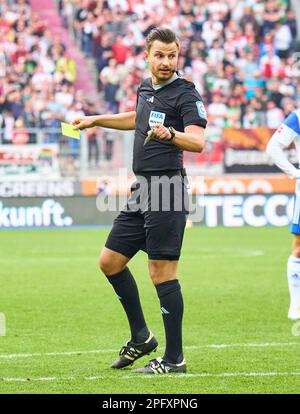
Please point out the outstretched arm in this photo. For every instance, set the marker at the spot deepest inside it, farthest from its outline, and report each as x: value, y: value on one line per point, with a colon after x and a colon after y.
x: 281, y: 139
x: 122, y: 121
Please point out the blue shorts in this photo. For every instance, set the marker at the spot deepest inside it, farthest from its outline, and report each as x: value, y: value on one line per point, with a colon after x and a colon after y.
x: 295, y: 225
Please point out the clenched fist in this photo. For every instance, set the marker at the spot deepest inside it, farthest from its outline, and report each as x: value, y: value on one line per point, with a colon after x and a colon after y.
x: 83, y: 122
x: 160, y: 132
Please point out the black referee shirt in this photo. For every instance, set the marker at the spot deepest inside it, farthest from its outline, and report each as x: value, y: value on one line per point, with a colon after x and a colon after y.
x: 177, y: 104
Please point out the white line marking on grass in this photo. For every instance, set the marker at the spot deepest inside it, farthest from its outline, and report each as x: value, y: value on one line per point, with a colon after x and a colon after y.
x: 222, y: 375
x: 242, y: 345
x: 152, y: 376
x: 228, y: 252
x: 42, y: 354
x: 29, y: 379
x: 188, y: 347
x: 52, y: 259
x: 98, y: 377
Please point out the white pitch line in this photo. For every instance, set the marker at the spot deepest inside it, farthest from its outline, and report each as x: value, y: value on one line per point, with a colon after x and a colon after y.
x: 149, y: 376
x: 248, y: 344
x: 28, y: 379
x: 188, y: 347
x: 229, y: 252
x: 67, y: 353
x: 222, y: 375
x: 52, y: 259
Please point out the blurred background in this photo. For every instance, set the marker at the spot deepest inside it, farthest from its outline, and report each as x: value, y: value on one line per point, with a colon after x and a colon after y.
x: 62, y: 59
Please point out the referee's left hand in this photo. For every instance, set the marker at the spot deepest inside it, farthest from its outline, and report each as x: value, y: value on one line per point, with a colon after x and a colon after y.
x: 160, y: 132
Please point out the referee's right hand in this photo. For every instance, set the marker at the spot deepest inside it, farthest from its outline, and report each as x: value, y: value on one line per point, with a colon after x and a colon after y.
x: 83, y: 122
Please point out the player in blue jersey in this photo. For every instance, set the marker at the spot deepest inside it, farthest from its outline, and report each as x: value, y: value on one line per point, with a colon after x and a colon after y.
x: 287, y: 133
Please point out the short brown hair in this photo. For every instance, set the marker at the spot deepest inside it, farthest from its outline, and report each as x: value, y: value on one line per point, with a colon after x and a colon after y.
x: 163, y: 34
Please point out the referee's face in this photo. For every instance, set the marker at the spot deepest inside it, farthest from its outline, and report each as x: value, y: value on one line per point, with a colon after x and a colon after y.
x: 163, y: 59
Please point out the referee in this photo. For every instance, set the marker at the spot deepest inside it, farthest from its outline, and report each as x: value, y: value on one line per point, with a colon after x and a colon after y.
x: 170, y: 117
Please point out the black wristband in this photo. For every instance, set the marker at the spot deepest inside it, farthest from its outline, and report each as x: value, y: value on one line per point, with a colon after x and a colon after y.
x: 172, y: 132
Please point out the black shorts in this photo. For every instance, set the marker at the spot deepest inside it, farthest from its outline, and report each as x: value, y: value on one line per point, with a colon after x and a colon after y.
x: 153, y: 225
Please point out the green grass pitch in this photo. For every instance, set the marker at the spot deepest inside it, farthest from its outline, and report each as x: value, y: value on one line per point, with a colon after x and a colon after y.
x: 65, y: 324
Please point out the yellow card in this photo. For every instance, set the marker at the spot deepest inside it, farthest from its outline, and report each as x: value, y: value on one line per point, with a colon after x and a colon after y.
x: 68, y: 131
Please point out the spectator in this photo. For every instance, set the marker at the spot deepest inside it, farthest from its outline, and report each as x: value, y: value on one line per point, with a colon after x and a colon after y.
x: 211, y: 30
x: 17, y: 105
x: 120, y: 50
x: 104, y: 52
x: 93, y: 147
x: 232, y: 115
x: 251, y: 83
x: 216, y: 52
x: 8, y: 124
x: 89, y: 32
x: 92, y: 137
x: 272, y: 15
x: 282, y: 40
x: 250, y: 119
x: 108, y: 144
x: 67, y: 66
x: 40, y: 78
x: 20, y: 136
x: 73, y: 112
x: 270, y: 64
x: 248, y: 18
x: 64, y: 96
x: 110, y: 78
x: 217, y: 111
x: 30, y: 121
x: 266, y: 44
x: 54, y: 105
x: 273, y: 93
x: 259, y: 104
x: 250, y: 66
x: 52, y: 128
x: 274, y: 115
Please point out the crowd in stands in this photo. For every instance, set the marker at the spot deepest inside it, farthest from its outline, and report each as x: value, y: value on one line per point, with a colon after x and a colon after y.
x: 36, y: 77
x: 239, y: 54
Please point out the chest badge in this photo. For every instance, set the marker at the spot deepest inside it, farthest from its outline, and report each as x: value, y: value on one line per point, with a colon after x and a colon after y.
x: 156, y: 118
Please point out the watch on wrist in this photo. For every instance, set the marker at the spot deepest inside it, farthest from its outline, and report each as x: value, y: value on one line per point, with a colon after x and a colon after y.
x: 172, y: 132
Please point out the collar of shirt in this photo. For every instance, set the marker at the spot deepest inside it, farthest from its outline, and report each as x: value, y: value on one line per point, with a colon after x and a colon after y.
x: 160, y: 85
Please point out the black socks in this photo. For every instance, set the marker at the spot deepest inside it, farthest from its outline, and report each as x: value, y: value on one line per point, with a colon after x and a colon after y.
x: 127, y: 291
x: 171, y: 303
